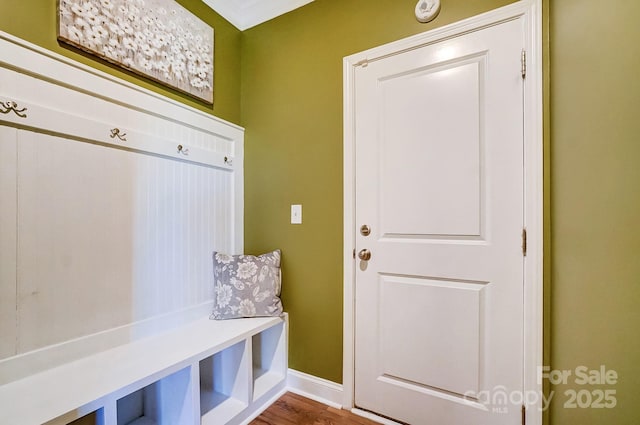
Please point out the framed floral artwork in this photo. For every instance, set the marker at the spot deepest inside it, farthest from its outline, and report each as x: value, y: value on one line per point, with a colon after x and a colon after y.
x: 158, y: 39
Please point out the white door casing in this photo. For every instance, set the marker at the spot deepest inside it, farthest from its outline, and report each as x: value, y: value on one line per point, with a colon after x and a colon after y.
x: 446, y: 200
x: 439, y: 180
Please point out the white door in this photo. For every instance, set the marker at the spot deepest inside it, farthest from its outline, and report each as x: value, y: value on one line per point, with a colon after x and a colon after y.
x: 439, y: 182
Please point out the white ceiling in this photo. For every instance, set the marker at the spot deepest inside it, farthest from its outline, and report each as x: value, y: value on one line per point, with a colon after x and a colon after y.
x: 244, y: 14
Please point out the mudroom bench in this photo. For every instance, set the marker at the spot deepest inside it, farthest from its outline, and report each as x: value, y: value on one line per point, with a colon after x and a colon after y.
x: 112, y: 199
x: 205, y: 371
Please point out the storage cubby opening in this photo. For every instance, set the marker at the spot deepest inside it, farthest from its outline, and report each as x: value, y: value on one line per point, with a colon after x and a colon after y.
x: 93, y: 418
x: 224, y: 382
x: 168, y: 401
x: 269, y: 358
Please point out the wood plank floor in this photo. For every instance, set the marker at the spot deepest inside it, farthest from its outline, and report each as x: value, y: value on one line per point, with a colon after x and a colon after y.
x: 292, y: 409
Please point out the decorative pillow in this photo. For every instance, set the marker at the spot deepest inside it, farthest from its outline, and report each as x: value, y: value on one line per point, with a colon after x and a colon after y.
x: 246, y: 285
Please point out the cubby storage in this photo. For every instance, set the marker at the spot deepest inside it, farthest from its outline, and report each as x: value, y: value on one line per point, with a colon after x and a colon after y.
x: 93, y: 418
x: 269, y: 359
x: 168, y: 401
x: 205, y: 371
x: 224, y: 379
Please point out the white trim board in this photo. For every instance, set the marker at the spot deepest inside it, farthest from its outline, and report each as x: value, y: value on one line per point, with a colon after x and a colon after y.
x: 318, y: 389
x: 531, y: 12
x: 22, y: 55
x: 325, y: 392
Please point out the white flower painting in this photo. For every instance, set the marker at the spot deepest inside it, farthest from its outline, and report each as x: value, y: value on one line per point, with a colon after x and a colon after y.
x: 156, y: 38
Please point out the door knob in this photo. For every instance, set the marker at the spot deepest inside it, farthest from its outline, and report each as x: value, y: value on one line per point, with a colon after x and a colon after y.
x: 364, y: 255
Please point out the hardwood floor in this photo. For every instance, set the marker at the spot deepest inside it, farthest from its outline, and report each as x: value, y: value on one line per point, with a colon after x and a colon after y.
x: 293, y: 409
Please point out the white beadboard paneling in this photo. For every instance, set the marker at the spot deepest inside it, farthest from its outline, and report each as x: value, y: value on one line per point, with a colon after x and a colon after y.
x: 111, y: 236
x: 177, y: 231
x: 8, y: 162
x: 106, y: 232
x: 75, y: 259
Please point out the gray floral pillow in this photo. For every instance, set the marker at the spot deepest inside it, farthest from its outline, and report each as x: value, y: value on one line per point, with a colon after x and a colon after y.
x: 246, y: 285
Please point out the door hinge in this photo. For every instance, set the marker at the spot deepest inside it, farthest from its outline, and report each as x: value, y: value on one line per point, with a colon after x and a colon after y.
x: 523, y: 62
x: 524, y: 241
x: 524, y: 415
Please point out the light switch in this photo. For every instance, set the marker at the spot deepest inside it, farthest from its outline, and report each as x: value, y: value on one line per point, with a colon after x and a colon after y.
x: 296, y: 214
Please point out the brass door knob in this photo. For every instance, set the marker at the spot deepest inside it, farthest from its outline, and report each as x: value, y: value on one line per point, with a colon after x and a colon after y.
x: 364, y: 255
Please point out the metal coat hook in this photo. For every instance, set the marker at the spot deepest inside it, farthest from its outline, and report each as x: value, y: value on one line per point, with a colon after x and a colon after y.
x: 9, y: 106
x: 115, y: 132
x: 183, y: 150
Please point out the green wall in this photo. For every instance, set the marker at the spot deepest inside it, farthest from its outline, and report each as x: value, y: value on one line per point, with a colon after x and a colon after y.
x: 290, y: 101
x: 292, y: 111
x: 595, y: 200
x: 291, y: 106
x: 36, y: 21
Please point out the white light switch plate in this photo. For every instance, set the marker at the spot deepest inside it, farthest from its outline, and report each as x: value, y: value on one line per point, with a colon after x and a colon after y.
x: 296, y: 214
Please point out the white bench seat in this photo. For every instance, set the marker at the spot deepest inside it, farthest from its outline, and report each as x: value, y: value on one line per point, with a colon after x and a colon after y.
x: 96, y: 382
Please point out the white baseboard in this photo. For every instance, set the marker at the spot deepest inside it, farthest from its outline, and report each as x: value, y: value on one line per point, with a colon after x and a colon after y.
x: 318, y: 389
x: 326, y: 392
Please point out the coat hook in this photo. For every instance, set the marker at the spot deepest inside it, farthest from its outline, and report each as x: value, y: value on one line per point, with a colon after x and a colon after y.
x: 183, y: 150
x: 115, y: 132
x: 9, y: 106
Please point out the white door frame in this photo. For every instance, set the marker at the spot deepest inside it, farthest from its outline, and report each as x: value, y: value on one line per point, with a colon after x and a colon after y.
x: 531, y: 12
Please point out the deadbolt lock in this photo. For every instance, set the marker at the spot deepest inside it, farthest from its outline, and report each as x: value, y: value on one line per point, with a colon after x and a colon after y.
x: 365, y: 230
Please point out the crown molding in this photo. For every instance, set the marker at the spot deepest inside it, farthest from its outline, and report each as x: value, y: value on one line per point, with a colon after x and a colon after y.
x: 244, y: 14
